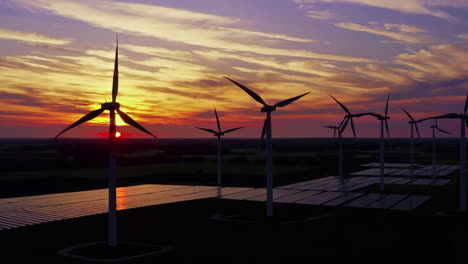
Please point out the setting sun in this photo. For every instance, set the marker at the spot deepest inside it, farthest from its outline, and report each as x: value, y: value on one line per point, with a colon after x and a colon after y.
x: 117, y: 134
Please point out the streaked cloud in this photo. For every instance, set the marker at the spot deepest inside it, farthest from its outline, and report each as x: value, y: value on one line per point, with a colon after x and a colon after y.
x: 321, y: 14
x: 404, y: 28
x: 442, y: 62
x: 443, y: 67
x: 135, y: 19
x: 462, y: 36
x: 409, y: 38
x: 31, y: 37
x: 421, y: 7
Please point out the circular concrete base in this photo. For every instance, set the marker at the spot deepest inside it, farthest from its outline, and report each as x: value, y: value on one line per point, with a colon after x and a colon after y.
x: 101, y: 252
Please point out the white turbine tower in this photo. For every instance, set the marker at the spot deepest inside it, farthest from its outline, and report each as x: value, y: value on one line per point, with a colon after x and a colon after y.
x: 383, y: 121
x: 267, y: 130
x: 463, y: 123
x: 341, y: 128
x: 219, y: 134
x: 434, y: 128
x: 413, y: 124
x: 112, y: 107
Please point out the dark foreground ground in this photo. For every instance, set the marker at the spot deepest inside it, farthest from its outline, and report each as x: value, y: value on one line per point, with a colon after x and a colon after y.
x: 329, y: 236
x: 321, y: 234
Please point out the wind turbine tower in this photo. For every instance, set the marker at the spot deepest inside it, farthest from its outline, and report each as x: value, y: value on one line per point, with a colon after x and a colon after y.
x: 113, y: 107
x: 268, y: 109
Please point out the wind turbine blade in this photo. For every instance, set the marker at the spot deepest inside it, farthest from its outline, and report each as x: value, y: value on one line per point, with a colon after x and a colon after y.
x: 386, y: 127
x: 386, y: 106
x: 290, y: 100
x: 252, y: 94
x: 352, y: 127
x: 127, y: 119
x: 331, y: 127
x: 231, y: 130
x: 406, y: 112
x: 363, y: 114
x: 334, y: 133
x: 443, y: 131
x: 207, y: 130
x: 217, y: 119
x: 87, y: 117
x: 417, y: 129
x: 343, y: 127
x: 264, y: 128
x: 342, y: 105
x: 115, y: 80
x: 341, y: 123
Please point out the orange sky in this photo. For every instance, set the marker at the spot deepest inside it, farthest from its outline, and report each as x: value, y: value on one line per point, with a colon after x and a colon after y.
x: 56, y: 62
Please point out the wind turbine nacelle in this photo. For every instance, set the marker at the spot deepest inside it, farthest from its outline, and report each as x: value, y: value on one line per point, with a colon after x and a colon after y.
x: 218, y: 134
x: 268, y: 108
x: 110, y: 106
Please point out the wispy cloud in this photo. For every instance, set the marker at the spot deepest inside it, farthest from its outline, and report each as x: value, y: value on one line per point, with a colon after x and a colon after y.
x: 321, y: 14
x: 404, y: 28
x: 31, y: 37
x: 408, y: 38
x: 135, y: 19
x: 462, y: 36
x: 421, y: 7
x: 443, y: 67
x: 443, y: 62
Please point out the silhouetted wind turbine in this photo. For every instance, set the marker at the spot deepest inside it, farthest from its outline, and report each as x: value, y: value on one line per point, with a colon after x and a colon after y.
x: 434, y: 128
x: 413, y: 124
x: 463, y: 122
x: 218, y: 134
x: 112, y: 107
x: 383, y: 121
x: 267, y: 130
x: 341, y: 128
x: 335, y: 128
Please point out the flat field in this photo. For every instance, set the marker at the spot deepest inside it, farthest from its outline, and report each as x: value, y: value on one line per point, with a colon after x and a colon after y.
x: 330, y: 234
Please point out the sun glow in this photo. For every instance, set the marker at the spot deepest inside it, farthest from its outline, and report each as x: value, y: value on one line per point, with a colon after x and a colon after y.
x: 117, y: 134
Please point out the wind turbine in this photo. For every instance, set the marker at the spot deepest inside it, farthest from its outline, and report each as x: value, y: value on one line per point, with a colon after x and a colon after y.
x: 112, y: 107
x: 434, y: 128
x: 341, y: 128
x: 463, y: 122
x: 413, y: 124
x: 267, y: 130
x: 335, y: 128
x: 218, y: 134
x: 383, y: 121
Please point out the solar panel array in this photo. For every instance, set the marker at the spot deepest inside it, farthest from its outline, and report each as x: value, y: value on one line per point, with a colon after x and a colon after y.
x: 327, y: 191
x: 332, y: 191
x: 30, y: 210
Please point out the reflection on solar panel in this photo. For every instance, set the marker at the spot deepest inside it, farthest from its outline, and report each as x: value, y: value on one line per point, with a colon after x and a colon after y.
x: 24, y: 211
x: 328, y: 191
x: 296, y: 197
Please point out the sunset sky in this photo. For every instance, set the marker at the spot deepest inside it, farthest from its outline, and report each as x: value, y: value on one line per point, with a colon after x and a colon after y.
x: 56, y: 63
